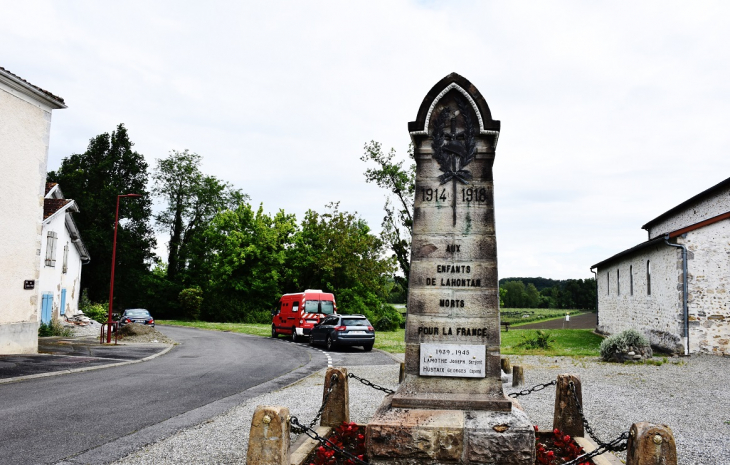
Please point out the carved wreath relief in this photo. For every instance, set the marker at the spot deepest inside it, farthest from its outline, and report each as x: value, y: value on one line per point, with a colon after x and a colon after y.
x: 454, y: 150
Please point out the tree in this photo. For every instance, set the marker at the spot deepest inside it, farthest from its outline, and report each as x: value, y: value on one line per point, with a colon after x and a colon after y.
x: 516, y: 296
x: 335, y: 251
x: 108, y: 168
x: 240, y: 261
x: 397, y: 223
x: 193, y: 199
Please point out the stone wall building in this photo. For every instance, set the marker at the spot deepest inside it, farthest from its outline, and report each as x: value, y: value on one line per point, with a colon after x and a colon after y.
x: 646, y: 287
x: 62, y: 254
x: 25, y: 127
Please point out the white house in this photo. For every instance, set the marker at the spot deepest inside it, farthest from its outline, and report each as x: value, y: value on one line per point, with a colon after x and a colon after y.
x: 675, y: 287
x: 25, y: 127
x: 62, y: 254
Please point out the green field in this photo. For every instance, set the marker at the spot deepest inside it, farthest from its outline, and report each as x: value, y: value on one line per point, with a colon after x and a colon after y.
x: 578, y: 342
x: 523, y: 316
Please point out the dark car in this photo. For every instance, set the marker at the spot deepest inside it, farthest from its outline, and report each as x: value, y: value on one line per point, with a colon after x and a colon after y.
x: 136, y: 315
x: 344, y: 330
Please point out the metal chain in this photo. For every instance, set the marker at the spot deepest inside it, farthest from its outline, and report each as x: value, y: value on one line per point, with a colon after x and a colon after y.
x: 299, y: 428
x: 372, y: 385
x: 525, y: 392
x: 614, y: 446
x: 333, y: 380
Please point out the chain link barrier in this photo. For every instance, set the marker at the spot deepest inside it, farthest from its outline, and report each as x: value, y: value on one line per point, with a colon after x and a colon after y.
x: 371, y: 384
x: 536, y: 388
x: 333, y: 381
x: 617, y: 445
x: 299, y: 429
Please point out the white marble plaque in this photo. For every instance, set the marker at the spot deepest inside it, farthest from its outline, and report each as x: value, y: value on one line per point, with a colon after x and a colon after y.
x: 454, y: 360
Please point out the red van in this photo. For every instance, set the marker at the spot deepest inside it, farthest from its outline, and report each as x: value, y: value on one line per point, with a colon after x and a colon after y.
x: 297, y: 313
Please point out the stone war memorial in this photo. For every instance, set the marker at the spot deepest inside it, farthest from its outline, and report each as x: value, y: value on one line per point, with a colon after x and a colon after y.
x: 450, y: 407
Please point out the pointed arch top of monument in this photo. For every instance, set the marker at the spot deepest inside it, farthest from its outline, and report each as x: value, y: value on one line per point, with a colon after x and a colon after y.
x: 459, y: 83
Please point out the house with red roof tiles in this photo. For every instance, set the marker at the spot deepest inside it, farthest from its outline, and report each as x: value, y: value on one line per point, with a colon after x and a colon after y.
x: 25, y: 113
x: 62, y: 255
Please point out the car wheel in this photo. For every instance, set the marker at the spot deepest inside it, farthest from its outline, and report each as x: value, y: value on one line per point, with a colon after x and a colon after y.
x: 294, y: 335
x: 330, y: 343
x: 368, y: 347
x: 274, y: 334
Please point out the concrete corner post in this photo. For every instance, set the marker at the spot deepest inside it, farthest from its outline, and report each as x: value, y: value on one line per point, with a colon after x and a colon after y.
x: 337, y: 409
x: 567, y: 418
x: 518, y: 376
x: 268, y: 441
x: 651, y: 444
x: 506, y: 367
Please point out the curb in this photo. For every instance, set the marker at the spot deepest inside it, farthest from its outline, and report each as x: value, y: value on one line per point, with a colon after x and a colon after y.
x: 392, y: 356
x: 81, y: 370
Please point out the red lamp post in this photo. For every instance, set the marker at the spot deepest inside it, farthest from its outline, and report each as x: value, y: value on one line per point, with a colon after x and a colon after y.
x: 114, y: 260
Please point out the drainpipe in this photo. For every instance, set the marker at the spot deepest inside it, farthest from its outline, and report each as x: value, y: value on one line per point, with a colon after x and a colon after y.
x: 685, y: 310
x: 595, y: 277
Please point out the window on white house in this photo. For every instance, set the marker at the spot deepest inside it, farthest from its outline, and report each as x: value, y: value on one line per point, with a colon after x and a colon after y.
x: 631, y: 279
x: 608, y: 283
x: 51, y: 240
x: 618, y: 282
x: 65, y: 258
x: 648, y: 277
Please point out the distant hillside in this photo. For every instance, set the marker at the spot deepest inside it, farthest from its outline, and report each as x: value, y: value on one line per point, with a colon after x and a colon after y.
x: 539, y: 283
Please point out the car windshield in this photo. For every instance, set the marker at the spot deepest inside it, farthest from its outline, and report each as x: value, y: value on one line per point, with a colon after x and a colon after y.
x: 137, y: 313
x: 355, y: 322
x: 319, y: 306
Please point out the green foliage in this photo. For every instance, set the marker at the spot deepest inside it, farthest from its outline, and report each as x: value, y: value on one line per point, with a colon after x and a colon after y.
x: 192, y: 199
x: 54, y: 328
x: 400, y: 183
x: 536, y: 340
x: 98, y: 312
x: 94, y: 179
x: 622, y: 341
x: 190, y: 300
x: 388, y: 319
x: 549, y: 293
x: 502, y: 295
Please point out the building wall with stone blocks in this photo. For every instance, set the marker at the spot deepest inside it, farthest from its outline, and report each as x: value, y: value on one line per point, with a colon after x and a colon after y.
x: 702, y: 209
x: 708, y: 251
x: 657, y: 314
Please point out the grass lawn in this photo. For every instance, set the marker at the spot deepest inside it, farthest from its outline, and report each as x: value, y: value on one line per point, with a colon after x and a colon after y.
x: 580, y: 342
x: 516, y: 315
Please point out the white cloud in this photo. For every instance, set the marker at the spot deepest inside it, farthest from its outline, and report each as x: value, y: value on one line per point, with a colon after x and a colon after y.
x: 612, y: 113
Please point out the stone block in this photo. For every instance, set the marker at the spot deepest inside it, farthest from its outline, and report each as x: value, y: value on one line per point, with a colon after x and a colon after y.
x: 504, y: 438
x: 423, y: 436
x: 268, y: 441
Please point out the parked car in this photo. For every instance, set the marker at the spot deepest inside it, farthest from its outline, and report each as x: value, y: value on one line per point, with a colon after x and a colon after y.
x: 344, y: 330
x: 136, y: 315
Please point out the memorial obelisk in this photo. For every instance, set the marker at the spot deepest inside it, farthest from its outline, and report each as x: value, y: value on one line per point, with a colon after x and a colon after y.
x: 451, y: 407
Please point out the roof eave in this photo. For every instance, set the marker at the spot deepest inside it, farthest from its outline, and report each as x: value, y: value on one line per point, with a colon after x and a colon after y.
x: 18, y: 84
x: 686, y: 203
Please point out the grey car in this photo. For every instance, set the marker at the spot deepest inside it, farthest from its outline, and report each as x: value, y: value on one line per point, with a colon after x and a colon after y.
x: 344, y: 330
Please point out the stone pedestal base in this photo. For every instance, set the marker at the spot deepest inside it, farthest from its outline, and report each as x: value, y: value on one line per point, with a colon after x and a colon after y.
x: 419, y: 436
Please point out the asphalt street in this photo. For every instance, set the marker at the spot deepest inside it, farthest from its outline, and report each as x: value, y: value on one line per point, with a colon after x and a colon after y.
x: 99, y: 416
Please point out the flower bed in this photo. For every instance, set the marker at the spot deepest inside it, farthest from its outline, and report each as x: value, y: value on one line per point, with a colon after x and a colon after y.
x: 556, y: 448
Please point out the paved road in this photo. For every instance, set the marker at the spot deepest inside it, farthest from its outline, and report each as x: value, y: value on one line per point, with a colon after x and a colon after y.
x: 584, y: 321
x: 99, y: 416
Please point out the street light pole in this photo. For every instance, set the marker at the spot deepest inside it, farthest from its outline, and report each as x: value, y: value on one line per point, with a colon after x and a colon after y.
x: 114, y: 260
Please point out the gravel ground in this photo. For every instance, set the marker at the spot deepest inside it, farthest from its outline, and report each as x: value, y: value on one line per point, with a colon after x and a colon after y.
x: 690, y: 395
x: 147, y: 334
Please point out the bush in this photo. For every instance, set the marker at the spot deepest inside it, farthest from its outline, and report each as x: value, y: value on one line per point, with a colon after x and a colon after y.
x: 97, y: 312
x: 626, y: 341
x: 387, y: 319
x: 54, y: 328
x: 190, y: 301
x: 537, y: 340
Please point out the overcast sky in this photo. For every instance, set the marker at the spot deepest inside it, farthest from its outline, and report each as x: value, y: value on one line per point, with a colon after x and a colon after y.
x: 612, y: 112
